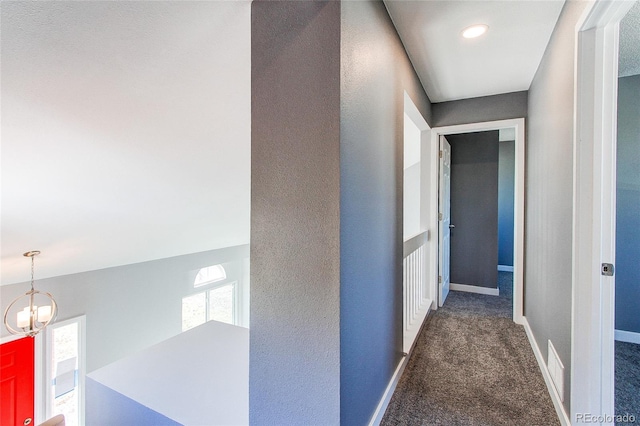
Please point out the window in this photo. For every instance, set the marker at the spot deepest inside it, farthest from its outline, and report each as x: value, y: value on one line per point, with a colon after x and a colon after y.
x: 210, y: 275
x: 221, y: 303
x: 65, y: 370
x: 194, y: 310
x: 217, y: 304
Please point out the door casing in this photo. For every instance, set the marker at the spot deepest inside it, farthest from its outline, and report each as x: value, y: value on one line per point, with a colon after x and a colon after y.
x: 594, y: 207
x: 444, y: 230
x: 518, y: 124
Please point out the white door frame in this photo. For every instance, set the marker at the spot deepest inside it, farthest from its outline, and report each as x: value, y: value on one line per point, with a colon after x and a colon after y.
x: 81, y: 321
x: 593, y: 298
x: 518, y: 231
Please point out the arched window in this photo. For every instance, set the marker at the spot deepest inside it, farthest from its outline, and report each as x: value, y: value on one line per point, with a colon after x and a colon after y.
x: 210, y: 275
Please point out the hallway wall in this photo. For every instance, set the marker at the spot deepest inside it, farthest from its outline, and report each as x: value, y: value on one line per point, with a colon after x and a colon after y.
x: 294, y: 373
x: 628, y: 205
x: 375, y: 73
x: 474, y: 208
x: 485, y: 108
x: 328, y: 84
x: 549, y: 194
x: 506, y: 187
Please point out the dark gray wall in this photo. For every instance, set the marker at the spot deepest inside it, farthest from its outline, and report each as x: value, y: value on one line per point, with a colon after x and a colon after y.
x: 375, y: 74
x: 475, y: 110
x: 295, y: 213
x: 549, y: 194
x: 474, y: 208
x: 628, y: 206
x: 506, y: 186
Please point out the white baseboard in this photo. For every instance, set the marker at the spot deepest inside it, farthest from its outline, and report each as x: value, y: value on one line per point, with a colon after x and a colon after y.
x: 391, y: 387
x: 474, y: 289
x: 505, y: 268
x: 557, y: 403
x: 386, y: 397
x: 627, y: 336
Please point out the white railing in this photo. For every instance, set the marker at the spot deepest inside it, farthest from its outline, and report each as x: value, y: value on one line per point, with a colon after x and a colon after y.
x: 416, y: 293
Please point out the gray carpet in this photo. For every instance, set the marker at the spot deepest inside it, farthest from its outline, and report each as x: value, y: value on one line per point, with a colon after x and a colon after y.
x: 472, y: 365
x: 627, y: 389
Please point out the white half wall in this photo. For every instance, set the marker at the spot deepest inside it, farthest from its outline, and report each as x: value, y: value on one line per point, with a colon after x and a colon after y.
x: 200, y: 377
x: 627, y: 336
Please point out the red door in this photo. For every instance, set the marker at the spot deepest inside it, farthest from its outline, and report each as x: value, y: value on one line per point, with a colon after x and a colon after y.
x: 16, y: 382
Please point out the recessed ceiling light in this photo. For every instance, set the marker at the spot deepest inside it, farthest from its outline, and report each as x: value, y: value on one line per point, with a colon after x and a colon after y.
x: 474, y: 31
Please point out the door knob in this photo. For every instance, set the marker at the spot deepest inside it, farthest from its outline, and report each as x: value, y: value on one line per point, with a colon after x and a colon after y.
x: 452, y: 226
x: 27, y: 421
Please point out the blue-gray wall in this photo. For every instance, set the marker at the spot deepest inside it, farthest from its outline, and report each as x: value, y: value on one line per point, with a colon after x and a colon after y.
x: 628, y: 206
x: 294, y: 375
x: 375, y: 73
x: 474, y: 208
x: 328, y: 84
x: 506, y: 186
x: 104, y: 406
x: 549, y: 193
x: 476, y: 110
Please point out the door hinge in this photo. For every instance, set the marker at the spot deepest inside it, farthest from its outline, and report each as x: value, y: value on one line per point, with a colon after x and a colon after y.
x: 439, y: 279
x: 439, y: 216
x: 440, y: 154
x: 607, y: 269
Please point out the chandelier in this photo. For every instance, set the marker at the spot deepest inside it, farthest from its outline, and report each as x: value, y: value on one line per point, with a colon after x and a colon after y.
x: 31, y: 312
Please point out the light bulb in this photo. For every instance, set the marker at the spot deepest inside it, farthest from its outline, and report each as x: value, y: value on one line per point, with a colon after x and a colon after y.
x: 475, y: 31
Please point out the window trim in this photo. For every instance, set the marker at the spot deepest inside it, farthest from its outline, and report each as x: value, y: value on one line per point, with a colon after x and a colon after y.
x: 81, y: 321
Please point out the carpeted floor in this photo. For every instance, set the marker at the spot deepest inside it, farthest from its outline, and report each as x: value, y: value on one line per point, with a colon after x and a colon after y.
x: 627, y: 389
x: 472, y: 365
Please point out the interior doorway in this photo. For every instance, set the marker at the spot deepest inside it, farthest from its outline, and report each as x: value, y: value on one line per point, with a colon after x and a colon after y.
x: 594, y: 206
x: 477, y: 206
x: 516, y: 126
x: 627, y: 244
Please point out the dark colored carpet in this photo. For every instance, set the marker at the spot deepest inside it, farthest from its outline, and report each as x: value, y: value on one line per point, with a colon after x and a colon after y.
x: 628, y: 379
x: 472, y: 365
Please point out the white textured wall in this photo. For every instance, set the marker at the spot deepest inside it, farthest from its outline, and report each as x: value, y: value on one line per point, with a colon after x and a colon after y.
x: 131, y: 307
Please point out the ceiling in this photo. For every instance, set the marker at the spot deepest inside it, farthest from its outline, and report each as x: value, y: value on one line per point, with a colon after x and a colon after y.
x: 503, y: 60
x: 125, y: 133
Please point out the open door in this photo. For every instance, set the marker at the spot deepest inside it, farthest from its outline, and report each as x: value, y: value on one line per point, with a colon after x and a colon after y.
x: 444, y: 216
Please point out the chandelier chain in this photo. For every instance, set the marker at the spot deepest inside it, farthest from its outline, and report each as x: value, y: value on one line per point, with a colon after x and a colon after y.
x: 31, y: 273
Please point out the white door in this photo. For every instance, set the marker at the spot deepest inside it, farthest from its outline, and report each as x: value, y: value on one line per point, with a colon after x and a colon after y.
x: 444, y: 209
